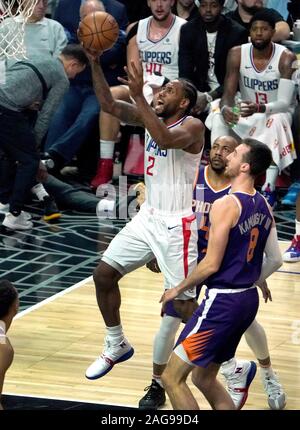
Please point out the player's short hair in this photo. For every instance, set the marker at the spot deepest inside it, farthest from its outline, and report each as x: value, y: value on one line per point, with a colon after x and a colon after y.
x: 263, y: 15
x: 74, y: 50
x: 190, y: 92
x: 259, y: 157
x: 8, y: 295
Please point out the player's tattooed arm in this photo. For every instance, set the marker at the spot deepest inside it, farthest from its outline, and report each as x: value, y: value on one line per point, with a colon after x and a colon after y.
x: 126, y: 112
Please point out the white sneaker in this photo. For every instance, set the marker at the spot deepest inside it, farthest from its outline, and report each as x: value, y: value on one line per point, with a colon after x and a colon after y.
x: 4, y: 208
x: 19, y: 222
x: 111, y: 355
x: 239, y: 381
x: 274, y: 390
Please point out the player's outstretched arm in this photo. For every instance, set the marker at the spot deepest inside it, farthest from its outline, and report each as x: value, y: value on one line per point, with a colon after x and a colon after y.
x: 126, y: 112
x: 217, y: 242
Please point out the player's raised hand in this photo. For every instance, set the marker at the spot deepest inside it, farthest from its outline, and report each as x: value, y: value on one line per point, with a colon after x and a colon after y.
x: 134, y: 79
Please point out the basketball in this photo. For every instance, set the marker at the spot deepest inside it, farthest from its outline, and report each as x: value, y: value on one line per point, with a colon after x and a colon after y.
x: 98, y: 31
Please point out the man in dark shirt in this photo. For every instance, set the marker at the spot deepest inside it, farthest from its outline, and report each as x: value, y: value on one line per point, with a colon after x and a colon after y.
x: 38, y: 85
x: 204, y: 44
x: 247, y: 8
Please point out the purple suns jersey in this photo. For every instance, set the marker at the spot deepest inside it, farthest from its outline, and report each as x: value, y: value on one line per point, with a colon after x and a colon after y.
x: 243, y: 257
x: 203, y: 198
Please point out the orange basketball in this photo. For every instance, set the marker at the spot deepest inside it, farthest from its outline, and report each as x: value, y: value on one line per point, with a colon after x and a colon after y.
x: 98, y: 31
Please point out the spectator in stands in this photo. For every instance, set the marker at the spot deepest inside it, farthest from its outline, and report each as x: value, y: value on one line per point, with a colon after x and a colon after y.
x: 42, y: 82
x: 42, y: 36
x: 186, y: 9
x: 247, y: 8
x: 203, y: 48
x: 229, y: 5
x: 78, y: 113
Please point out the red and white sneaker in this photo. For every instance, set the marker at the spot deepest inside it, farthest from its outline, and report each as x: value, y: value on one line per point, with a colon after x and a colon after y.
x: 112, y: 354
x: 104, y: 172
x: 239, y: 381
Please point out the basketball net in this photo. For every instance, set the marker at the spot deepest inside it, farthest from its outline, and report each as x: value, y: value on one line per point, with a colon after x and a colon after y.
x: 13, y: 17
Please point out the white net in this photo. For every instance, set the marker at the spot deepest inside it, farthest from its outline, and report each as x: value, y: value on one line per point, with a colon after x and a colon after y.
x: 13, y: 17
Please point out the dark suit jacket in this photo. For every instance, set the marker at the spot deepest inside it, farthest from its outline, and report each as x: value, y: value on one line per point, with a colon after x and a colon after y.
x: 193, y: 50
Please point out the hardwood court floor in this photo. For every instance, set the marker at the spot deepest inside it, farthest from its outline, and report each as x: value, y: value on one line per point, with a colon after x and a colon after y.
x: 57, y: 340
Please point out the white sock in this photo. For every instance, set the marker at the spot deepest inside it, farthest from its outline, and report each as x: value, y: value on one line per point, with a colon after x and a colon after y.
x: 256, y: 339
x: 267, y: 372
x: 271, y: 176
x: 157, y: 378
x: 39, y: 191
x: 115, y: 334
x: 164, y: 339
x: 297, y: 227
x: 107, y: 149
x: 228, y: 367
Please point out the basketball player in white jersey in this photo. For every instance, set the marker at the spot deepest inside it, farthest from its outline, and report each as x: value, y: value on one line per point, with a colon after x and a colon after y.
x: 165, y: 226
x: 9, y: 304
x: 262, y: 70
x: 156, y: 43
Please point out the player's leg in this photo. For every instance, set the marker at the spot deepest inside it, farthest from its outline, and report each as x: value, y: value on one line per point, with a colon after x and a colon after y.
x: 109, y: 129
x: 174, y: 380
x: 257, y: 341
x: 126, y: 252
x: 162, y: 349
x: 206, y: 381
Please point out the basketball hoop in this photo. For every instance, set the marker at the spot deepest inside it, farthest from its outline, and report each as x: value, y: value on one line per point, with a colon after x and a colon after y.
x: 13, y: 17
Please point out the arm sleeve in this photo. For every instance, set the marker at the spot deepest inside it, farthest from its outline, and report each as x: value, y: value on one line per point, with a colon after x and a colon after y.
x: 285, y: 95
x: 272, y: 259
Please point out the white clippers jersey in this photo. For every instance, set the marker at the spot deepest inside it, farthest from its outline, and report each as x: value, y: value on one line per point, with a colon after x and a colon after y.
x: 259, y: 87
x: 160, y: 56
x: 169, y: 176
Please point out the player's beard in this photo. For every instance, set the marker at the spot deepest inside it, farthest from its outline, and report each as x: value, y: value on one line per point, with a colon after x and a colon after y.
x: 162, y: 18
x: 252, y: 10
x: 261, y: 46
x: 219, y: 169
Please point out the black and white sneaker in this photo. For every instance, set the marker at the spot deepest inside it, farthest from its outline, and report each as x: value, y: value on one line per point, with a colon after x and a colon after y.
x: 154, y: 398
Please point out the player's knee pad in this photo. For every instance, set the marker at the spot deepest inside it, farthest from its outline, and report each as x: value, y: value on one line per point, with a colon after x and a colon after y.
x: 164, y: 339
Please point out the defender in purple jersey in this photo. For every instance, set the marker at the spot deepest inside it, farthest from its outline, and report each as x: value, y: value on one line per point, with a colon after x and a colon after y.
x: 237, y: 241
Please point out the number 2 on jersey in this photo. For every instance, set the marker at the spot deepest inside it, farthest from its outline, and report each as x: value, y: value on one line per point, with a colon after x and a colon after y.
x: 254, y: 233
x: 151, y: 161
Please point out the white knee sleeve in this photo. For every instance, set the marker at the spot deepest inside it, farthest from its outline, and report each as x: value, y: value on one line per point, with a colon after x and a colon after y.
x: 257, y: 340
x: 164, y: 339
